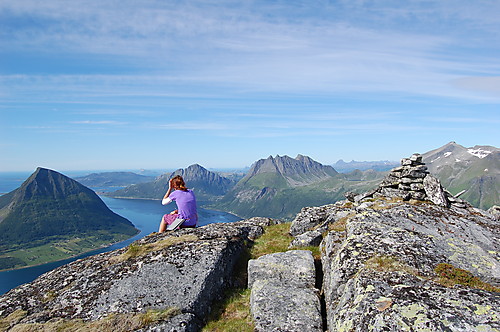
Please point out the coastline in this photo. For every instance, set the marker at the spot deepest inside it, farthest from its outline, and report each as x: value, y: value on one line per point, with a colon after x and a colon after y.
x: 72, y: 257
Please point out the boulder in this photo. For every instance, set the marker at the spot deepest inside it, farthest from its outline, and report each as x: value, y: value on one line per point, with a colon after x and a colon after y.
x: 310, y: 238
x: 382, y: 276
x: 495, y: 211
x: 182, y: 272
x: 310, y: 217
x: 434, y: 191
x: 291, y: 268
x: 283, y: 297
x: 278, y: 308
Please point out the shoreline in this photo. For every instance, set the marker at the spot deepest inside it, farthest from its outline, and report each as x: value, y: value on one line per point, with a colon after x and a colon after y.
x: 72, y: 256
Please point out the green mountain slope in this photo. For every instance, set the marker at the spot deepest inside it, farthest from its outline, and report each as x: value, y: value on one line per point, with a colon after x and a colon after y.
x: 475, y: 170
x: 207, y: 185
x: 53, y: 211
x: 279, y: 187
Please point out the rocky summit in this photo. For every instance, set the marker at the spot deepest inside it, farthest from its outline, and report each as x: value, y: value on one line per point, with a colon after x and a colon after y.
x: 406, y: 256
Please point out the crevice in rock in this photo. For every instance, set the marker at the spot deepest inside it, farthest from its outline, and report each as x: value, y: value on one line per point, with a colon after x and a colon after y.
x: 319, y: 285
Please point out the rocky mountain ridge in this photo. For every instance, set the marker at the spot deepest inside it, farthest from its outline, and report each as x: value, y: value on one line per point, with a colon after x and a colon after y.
x: 475, y: 170
x: 295, y: 172
x: 388, y: 263
x: 205, y: 183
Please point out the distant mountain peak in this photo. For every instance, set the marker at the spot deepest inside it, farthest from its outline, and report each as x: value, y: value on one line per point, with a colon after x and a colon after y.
x: 49, y: 206
x: 296, y: 171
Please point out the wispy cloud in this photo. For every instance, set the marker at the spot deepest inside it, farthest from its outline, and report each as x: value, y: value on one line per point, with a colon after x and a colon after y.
x: 205, y: 45
x: 102, y: 122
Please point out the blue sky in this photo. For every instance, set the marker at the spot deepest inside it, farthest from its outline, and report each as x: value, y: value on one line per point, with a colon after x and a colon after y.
x: 165, y: 84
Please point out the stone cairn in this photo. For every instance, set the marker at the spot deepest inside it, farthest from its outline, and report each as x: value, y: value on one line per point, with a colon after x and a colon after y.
x: 407, y: 180
x: 411, y: 180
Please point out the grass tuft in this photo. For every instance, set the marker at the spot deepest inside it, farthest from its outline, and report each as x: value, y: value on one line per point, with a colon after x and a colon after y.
x: 111, y: 323
x: 276, y: 238
x: 138, y: 250
x: 387, y: 263
x: 12, y: 319
x: 448, y: 276
x: 340, y: 225
x: 233, y: 314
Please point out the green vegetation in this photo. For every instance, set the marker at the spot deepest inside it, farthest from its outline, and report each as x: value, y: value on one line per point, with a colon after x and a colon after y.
x: 52, y: 217
x: 448, y: 275
x: 234, y: 313
x: 275, y: 239
x: 270, y: 180
x: 55, y: 248
x: 111, y: 323
x: 137, y: 250
x: 12, y: 319
x: 386, y: 263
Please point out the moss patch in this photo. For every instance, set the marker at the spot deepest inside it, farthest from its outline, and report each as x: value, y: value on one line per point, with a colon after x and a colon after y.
x: 448, y: 276
x: 12, y: 319
x: 276, y: 238
x: 233, y: 314
x: 387, y: 263
x: 111, y: 323
x: 138, y: 250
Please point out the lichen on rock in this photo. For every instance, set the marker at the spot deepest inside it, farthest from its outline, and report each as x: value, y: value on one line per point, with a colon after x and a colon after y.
x: 187, y: 269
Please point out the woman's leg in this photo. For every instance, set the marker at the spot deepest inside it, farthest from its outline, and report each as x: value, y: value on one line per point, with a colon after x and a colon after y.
x: 163, y: 226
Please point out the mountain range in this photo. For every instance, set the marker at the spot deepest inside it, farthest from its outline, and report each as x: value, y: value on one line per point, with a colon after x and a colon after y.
x: 381, y: 166
x: 475, y: 170
x: 206, y: 184
x: 113, y: 179
x: 51, y: 216
x: 280, y: 186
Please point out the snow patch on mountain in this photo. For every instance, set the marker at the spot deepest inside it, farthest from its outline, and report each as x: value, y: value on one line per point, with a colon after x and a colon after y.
x: 480, y: 153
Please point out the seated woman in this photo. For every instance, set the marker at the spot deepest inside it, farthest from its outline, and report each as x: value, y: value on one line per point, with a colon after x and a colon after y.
x: 186, y: 214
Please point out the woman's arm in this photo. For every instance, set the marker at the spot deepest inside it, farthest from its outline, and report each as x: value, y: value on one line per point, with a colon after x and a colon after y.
x: 166, y: 199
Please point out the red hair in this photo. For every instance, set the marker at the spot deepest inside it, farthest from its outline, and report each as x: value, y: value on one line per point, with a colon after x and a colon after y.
x: 178, y: 183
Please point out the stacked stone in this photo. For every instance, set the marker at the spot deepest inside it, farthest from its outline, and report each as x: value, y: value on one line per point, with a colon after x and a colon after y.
x: 406, y: 181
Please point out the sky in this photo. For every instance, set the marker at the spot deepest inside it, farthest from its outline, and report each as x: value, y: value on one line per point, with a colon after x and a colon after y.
x: 163, y: 84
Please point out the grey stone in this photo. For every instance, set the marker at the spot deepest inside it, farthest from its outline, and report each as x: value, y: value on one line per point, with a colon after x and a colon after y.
x: 413, y: 173
x: 380, y: 276
x: 416, y: 158
x: 350, y: 196
x: 434, y: 191
x: 188, y: 271
x: 310, y: 217
x: 416, y: 186
x: 418, y: 195
x: 309, y: 238
x: 495, y: 211
x: 278, y: 308
x: 294, y: 268
x: 283, y: 297
x: 406, y: 162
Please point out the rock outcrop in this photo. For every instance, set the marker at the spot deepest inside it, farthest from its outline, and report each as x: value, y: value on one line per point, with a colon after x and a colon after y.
x: 284, y: 297
x: 407, y: 256
x: 177, y: 276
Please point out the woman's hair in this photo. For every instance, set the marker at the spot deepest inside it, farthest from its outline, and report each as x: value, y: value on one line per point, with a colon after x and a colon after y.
x: 178, y: 183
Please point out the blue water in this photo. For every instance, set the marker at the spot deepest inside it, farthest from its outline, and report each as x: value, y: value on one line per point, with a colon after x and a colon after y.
x: 144, y: 214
